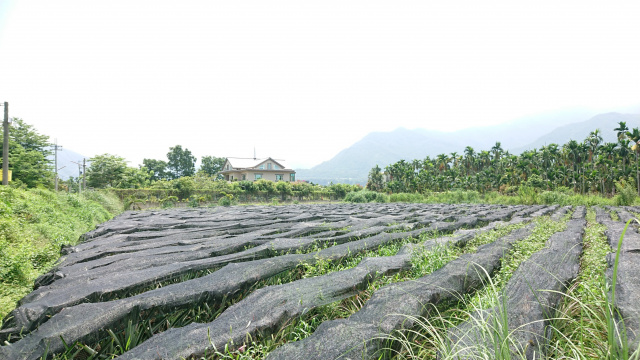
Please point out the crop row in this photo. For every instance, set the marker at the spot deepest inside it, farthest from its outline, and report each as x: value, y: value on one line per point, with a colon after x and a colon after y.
x: 207, y: 282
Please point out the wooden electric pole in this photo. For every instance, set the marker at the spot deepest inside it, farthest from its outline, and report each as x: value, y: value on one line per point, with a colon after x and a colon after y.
x: 84, y: 173
x: 5, y: 146
x: 79, y: 174
x: 56, y: 147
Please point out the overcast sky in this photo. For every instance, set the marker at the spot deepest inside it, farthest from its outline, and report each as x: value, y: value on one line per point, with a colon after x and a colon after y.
x: 302, y: 80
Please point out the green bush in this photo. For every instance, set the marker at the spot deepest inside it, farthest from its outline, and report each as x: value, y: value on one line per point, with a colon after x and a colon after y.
x: 227, y: 200
x: 553, y: 197
x: 169, y: 202
x: 464, y: 196
x: 626, y: 193
x: 535, y: 181
x: 528, y: 195
x: 366, y: 196
x: 194, y: 201
x: 406, y: 197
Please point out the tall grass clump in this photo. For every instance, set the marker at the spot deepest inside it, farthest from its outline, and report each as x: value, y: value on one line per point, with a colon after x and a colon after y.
x: 366, y: 196
x: 588, y: 324
x: 617, y: 340
x: 626, y: 193
x: 34, y: 225
x: 406, y: 197
x: 454, y: 197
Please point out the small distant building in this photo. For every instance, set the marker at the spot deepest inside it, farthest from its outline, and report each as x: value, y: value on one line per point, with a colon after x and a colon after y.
x: 254, y: 169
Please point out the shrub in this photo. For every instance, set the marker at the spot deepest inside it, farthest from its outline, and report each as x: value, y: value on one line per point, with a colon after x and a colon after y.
x: 227, y: 200
x: 169, y: 202
x: 553, y: 197
x: 464, y: 196
x: 536, y: 182
x: 626, y: 193
x: 366, y: 196
x: 406, y: 197
x: 528, y: 195
x: 194, y: 201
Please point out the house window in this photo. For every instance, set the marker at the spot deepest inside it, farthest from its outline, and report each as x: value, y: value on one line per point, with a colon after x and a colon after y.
x: 227, y: 167
x: 261, y: 167
x: 276, y: 167
x: 258, y: 176
x: 244, y: 176
x: 279, y: 177
x: 292, y: 177
x: 268, y: 166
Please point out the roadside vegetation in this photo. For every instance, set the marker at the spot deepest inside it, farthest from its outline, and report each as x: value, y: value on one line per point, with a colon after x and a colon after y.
x: 34, y: 225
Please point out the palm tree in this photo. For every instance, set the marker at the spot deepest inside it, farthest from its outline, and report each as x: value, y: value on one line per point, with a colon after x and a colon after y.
x: 621, y: 129
x: 593, y: 141
x: 587, y: 166
x: 469, y: 156
x: 634, y: 136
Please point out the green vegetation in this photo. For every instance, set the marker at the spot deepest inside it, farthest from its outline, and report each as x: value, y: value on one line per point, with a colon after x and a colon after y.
x: 111, y: 171
x: 181, y: 162
x: 525, y: 195
x: 589, y: 167
x: 210, y: 190
x: 28, y: 153
x: 34, y: 225
x: 365, y: 196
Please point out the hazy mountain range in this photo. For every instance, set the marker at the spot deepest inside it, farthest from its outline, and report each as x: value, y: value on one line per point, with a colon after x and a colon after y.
x: 352, y: 164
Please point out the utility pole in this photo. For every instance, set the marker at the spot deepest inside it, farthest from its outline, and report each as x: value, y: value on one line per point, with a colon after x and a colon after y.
x: 56, y: 147
x: 79, y: 174
x: 84, y: 173
x: 5, y: 146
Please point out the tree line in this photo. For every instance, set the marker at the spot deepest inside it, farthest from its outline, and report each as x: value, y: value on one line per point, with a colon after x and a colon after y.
x: 175, y: 178
x: 30, y: 152
x: 112, y: 171
x: 591, y: 166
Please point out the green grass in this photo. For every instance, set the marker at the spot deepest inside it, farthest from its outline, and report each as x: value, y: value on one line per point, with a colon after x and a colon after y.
x: 580, y: 328
x: 524, y: 197
x: 522, y: 250
x: 34, y: 225
x: 429, y: 337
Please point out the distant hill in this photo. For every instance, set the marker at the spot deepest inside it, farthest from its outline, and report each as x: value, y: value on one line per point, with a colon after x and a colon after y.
x: 65, y: 158
x: 353, y: 164
x: 579, y: 131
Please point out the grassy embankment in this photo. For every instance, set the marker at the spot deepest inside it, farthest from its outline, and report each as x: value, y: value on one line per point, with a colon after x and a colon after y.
x: 34, y: 225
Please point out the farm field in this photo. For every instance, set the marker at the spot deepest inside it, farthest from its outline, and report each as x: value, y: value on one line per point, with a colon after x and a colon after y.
x: 348, y: 281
